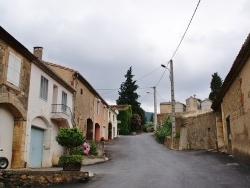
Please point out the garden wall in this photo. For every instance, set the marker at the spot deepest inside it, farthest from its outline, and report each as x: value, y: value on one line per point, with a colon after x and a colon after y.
x: 199, y: 132
x: 25, y: 178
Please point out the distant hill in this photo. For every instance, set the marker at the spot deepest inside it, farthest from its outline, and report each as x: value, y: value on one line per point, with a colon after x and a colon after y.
x: 148, y: 115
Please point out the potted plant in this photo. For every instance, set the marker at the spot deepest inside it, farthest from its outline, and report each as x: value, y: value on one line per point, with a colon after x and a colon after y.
x: 72, y: 139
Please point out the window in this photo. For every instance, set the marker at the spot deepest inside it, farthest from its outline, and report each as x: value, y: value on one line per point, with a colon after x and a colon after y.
x: 104, y: 112
x: 81, y: 91
x: 44, y: 88
x: 14, y: 69
x: 97, y: 107
x: 64, y: 101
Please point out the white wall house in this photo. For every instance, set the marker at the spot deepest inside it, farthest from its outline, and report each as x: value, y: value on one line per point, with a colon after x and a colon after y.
x: 49, y: 108
x: 113, y: 122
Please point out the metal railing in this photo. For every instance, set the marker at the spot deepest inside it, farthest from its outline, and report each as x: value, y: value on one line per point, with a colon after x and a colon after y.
x: 61, y: 108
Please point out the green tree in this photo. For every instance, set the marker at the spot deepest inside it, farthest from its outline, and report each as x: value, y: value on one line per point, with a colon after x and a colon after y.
x: 124, y: 116
x: 127, y: 93
x: 129, y: 96
x: 135, y: 123
x: 215, y: 86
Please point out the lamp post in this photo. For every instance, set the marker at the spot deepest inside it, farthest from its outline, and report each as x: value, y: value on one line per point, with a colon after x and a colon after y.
x: 155, y: 108
x: 172, y: 98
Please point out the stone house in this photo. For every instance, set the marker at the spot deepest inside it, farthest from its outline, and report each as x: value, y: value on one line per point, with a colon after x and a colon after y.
x: 193, y: 104
x: 28, y: 118
x: 232, y: 106
x: 91, y: 112
x: 166, y: 107
x: 206, y: 104
x: 15, y: 66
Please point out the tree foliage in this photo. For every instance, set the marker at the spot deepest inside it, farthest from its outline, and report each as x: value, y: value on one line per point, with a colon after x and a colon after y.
x: 124, y: 116
x: 164, y: 130
x: 127, y: 93
x: 129, y: 96
x: 215, y: 86
x: 135, y: 123
x: 69, y: 137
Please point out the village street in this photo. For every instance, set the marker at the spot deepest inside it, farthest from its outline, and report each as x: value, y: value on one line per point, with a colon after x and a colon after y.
x: 140, y: 162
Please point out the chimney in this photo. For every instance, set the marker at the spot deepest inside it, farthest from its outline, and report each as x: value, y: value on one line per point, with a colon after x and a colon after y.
x: 38, y: 52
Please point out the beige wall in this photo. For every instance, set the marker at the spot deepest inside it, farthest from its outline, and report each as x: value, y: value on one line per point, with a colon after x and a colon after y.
x: 84, y: 99
x: 16, y: 100
x: 198, y: 132
x: 236, y: 107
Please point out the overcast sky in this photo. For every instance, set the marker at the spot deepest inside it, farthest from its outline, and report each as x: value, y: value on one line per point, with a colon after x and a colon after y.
x: 103, y: 38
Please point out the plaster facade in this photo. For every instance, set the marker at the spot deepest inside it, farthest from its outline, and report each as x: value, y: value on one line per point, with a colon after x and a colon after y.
x: 48, y: 116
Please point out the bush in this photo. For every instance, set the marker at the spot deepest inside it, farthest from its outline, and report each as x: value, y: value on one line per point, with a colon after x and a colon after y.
x: 93, y: 148
x: 164, y: 130
x: 70, y: 159
x: 70, y: 138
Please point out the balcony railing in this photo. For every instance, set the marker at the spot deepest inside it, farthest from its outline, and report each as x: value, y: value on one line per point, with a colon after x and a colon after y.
x: 63, y: 109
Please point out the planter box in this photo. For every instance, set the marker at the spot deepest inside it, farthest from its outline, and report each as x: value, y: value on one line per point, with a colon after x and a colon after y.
x: 72, y: 166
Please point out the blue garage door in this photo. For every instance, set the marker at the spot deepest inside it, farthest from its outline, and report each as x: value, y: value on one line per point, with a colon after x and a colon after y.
x: 36, y: 147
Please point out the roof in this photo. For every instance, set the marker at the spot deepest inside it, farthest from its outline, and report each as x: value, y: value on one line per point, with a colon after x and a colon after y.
x: 82, y: 79
x: 237, y: 66
x: 5, y: 36
x: 10, y: 40
x: 120, y: 107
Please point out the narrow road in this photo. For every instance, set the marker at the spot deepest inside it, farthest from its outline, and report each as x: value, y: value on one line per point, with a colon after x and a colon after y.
x: 140, y: 162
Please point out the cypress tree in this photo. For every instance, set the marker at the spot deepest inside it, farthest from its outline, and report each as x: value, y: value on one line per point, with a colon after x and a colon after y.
x: 215, y: 86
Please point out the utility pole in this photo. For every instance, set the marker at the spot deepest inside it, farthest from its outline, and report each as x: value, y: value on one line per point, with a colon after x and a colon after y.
x: 172, y: 99
x: 155, y: 109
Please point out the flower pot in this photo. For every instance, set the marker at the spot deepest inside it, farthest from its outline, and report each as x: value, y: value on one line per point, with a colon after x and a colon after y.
x: 72, y: 166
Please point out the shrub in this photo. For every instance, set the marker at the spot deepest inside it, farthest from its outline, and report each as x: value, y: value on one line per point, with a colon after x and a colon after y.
x: 72, y: 139
x: 70, y: 159
x: 164, y: 130
x: 93, y: 148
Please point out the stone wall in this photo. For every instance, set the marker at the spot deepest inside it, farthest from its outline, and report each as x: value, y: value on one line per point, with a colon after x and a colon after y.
x: 17, y: 179
x: 201, y: 131
x: 15, y: 98
x: 236, y: 116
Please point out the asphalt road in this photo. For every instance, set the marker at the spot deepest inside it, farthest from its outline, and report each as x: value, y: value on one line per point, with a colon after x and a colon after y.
x: 140, y: 162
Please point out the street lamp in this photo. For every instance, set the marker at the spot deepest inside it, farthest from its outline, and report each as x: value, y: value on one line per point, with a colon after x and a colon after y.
x: 172, y: 97
x: 155, y: 109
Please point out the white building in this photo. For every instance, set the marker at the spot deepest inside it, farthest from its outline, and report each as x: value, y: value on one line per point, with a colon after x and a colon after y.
x: 49, y: 108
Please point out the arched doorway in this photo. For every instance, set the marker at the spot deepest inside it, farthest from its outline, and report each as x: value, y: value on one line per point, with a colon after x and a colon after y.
x: 6, y: 133
x: 40, y: 138
x: 97, y: 132
x: 110, y: 131
x: 13, y: 120
x: 89, y: 135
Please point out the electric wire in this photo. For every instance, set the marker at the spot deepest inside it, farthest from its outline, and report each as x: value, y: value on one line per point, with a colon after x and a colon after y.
x: 186, y: 29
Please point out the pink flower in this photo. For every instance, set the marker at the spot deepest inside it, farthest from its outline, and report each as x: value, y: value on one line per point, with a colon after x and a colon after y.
x: 86, y: 148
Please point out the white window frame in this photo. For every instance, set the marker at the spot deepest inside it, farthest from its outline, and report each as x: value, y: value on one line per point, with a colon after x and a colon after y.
x: 44, y: 85
x: 14, y: 69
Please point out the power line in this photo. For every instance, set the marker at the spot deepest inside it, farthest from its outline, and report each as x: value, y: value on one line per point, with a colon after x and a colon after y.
x: 147, y: 74
x: 180, y: 41
x: 186, y: 29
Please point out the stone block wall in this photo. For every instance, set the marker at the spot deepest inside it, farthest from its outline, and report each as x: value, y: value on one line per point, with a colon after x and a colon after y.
x: 17, y: 179
x: 201, y: 131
